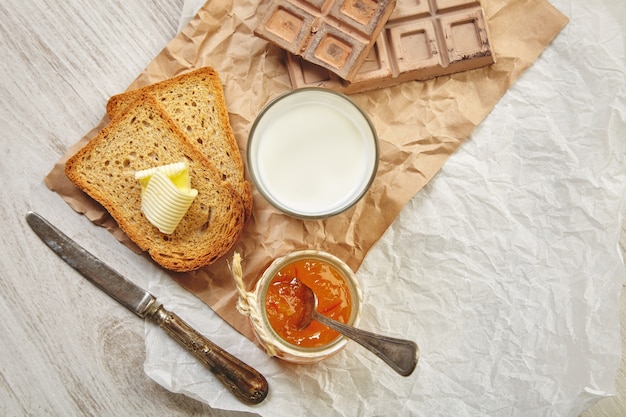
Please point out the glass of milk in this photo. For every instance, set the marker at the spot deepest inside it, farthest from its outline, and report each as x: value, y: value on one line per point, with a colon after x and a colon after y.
x: 312, y: 153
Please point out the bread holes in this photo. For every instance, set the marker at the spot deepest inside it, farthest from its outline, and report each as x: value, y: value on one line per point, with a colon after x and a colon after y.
x: 207, y: 223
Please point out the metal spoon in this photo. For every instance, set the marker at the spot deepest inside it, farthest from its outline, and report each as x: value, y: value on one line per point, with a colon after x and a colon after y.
x: 400, y: 354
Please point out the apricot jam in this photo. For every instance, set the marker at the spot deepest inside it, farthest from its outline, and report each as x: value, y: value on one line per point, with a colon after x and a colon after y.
x: 284, y: 308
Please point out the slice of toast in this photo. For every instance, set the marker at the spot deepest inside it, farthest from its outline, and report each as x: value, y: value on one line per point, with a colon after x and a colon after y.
x: 195, y: 101
x: 141, y: 137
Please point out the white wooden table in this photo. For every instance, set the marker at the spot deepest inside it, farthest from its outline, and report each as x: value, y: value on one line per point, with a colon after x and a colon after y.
x: 65, y: 349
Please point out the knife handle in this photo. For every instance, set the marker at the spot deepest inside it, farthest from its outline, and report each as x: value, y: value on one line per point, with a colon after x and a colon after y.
x: 242, y: 380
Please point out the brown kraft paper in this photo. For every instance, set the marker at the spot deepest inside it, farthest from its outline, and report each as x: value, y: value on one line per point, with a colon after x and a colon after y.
x: 419, y: 125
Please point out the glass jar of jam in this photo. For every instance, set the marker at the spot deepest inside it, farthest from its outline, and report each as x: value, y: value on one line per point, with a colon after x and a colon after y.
x: 278, y: 307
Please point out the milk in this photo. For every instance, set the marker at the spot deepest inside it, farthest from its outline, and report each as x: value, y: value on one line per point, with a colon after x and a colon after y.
x: 313, y: 153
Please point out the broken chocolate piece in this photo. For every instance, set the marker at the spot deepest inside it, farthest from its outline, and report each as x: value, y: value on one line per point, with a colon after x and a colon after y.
x: 334, y: 34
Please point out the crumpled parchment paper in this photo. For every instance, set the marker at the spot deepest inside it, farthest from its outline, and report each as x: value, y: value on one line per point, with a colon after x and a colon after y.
x: 504, y: 268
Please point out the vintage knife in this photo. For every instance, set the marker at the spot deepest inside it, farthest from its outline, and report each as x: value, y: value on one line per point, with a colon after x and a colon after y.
x: 243, y: 381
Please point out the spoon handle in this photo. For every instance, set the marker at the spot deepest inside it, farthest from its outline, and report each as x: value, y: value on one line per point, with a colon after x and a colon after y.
x: 400, y: 354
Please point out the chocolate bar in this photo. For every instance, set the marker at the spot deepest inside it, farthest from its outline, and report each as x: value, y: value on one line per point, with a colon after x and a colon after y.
x: 333, y: 34
x: 422, y: 39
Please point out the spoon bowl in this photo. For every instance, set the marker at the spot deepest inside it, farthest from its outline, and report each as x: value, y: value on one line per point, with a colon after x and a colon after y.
x: 400, y: 354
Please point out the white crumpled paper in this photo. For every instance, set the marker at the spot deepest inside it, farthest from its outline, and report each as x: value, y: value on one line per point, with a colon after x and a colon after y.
x: 505, y: 268
x: 190, y: 8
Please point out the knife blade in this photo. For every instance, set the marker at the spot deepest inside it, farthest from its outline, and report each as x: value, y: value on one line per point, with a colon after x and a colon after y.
x: 242, y: 380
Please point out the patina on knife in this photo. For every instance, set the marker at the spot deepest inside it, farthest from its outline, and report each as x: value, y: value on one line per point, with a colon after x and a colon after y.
x: 243, y: 381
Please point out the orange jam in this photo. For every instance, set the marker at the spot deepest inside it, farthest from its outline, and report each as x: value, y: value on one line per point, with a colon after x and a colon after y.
x: 284, y: 308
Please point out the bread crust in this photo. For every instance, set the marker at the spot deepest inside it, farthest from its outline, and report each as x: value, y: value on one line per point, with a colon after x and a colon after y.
x: 184, y: 97
x: 141, y: 137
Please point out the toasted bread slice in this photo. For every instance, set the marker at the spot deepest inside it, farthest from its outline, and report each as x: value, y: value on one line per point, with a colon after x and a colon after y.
x: 141, y: 137
x: 195, y: 101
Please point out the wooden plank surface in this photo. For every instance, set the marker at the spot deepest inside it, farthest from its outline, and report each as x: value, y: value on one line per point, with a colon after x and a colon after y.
x: 61, y: 61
